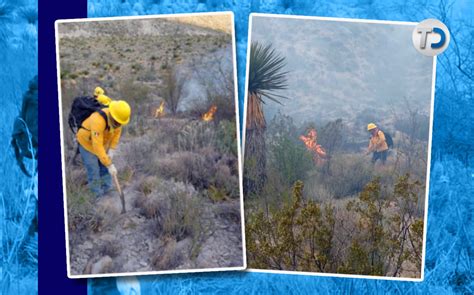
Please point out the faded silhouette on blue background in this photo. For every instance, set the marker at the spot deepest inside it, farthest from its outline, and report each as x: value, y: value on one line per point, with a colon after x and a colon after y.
x: 25, y: 128
x: 450, y: 236
x: 18, y: 147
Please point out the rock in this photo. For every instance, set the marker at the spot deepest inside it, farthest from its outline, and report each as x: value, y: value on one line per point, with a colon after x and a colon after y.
x: 129, y: 223
x: 107, y: 237
x: 103, y: 265
x: 183, y: 247
x: 87, y: 245
x: 130, y: 265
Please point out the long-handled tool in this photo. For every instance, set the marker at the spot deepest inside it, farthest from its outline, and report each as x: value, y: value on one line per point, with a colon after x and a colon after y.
x: 122, y: 197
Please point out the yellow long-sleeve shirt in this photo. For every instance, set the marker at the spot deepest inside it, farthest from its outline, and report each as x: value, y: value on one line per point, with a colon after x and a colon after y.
x: 95, y: 138
x: 378, y: 143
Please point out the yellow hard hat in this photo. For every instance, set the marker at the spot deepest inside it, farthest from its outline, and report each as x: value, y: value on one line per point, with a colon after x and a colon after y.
x: 104, y: 99
x: 371, y: 126
x: 98, y: 91
x: 120, y: 111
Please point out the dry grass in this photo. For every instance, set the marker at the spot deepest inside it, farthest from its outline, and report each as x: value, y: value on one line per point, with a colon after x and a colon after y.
x: 167, y: 257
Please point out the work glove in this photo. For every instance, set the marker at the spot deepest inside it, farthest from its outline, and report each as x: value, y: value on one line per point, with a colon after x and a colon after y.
x: 112, y: 170
x: 111, y: 154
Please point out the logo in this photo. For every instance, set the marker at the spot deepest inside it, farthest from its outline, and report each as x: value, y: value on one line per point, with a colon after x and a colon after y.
x: 431, y: 37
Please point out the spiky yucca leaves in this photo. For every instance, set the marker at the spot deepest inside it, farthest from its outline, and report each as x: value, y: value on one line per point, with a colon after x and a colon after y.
x: 266, y: 76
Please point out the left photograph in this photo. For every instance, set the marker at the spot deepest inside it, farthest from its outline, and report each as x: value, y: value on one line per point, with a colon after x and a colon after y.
x: 150, y: 145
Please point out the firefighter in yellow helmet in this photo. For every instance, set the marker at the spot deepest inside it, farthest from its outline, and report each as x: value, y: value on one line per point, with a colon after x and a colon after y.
x: 98, y: 138
x: 378, y: 144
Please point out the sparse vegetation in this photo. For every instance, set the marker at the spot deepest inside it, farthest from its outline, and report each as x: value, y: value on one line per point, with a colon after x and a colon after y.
x: 304, y: 235
x: 369, y: 217
x: 172, y: 92
x: 352, y: 216
x: 177, y: 170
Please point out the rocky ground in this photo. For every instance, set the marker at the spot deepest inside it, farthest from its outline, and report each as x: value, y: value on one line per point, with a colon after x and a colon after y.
x: 126, y: 242
x: 179, y: 173
x: 169, y: 224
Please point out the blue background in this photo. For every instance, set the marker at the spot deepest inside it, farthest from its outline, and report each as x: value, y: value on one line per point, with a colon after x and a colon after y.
x: 450, y: 237
x: 52, y: 251
x: 18, y: 60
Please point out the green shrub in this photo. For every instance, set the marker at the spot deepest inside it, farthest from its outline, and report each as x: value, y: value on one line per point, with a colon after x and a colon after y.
x: 296, y: 237
x: 226, y: 139
x: 347, y: 176
x: 385, y: 239
x: 289, y: 159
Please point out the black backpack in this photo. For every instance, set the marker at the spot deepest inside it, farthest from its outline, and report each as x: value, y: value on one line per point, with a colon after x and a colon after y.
x: 388, y: 139
x: 82, y: 107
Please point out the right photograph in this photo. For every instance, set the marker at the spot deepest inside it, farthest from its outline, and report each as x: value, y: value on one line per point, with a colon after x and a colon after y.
x: 337, y: 141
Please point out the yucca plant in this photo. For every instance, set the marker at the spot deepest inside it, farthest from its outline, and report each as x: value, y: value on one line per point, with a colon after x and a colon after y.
x: 266, y: 76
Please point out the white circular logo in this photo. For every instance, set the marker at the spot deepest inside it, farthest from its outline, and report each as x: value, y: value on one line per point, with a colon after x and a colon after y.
x: 431, y: 37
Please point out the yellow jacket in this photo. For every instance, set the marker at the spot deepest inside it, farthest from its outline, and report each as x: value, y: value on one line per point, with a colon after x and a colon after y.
x: 378, y: 143
x: 95, y: 138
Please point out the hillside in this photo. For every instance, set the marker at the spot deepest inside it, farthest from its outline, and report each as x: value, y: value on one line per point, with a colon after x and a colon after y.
x: 178, y: 171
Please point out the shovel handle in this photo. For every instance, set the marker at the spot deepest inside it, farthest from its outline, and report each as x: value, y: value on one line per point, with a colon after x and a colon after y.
x: 122, y: 197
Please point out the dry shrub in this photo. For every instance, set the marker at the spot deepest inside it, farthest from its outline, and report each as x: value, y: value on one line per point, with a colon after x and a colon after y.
x: 82, y: 214
x: 226, y: 179
x: 147, y: 185
x: 187, y: 154
x: 203, y: 169
x: 167, y: 257
x: 197, y: 168
x: 137, y: 154
x: 347, y: 176
x: 183, y: 217
x: 148, y: 205
x: 175, y: 207
x: 229, y: 211
x: 173, y: 87
x: 109, y: 248
x: 197, y: 135
x: 215, y: 194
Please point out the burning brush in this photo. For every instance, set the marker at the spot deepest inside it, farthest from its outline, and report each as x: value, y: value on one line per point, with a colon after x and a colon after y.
x: 311, y: 143
x: 209, y: 115
x: 160, y: 111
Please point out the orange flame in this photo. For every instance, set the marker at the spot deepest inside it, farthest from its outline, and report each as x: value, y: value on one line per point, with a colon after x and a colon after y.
x: 209, y: 116
x: 160, y: 111
x: 311, y: 143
